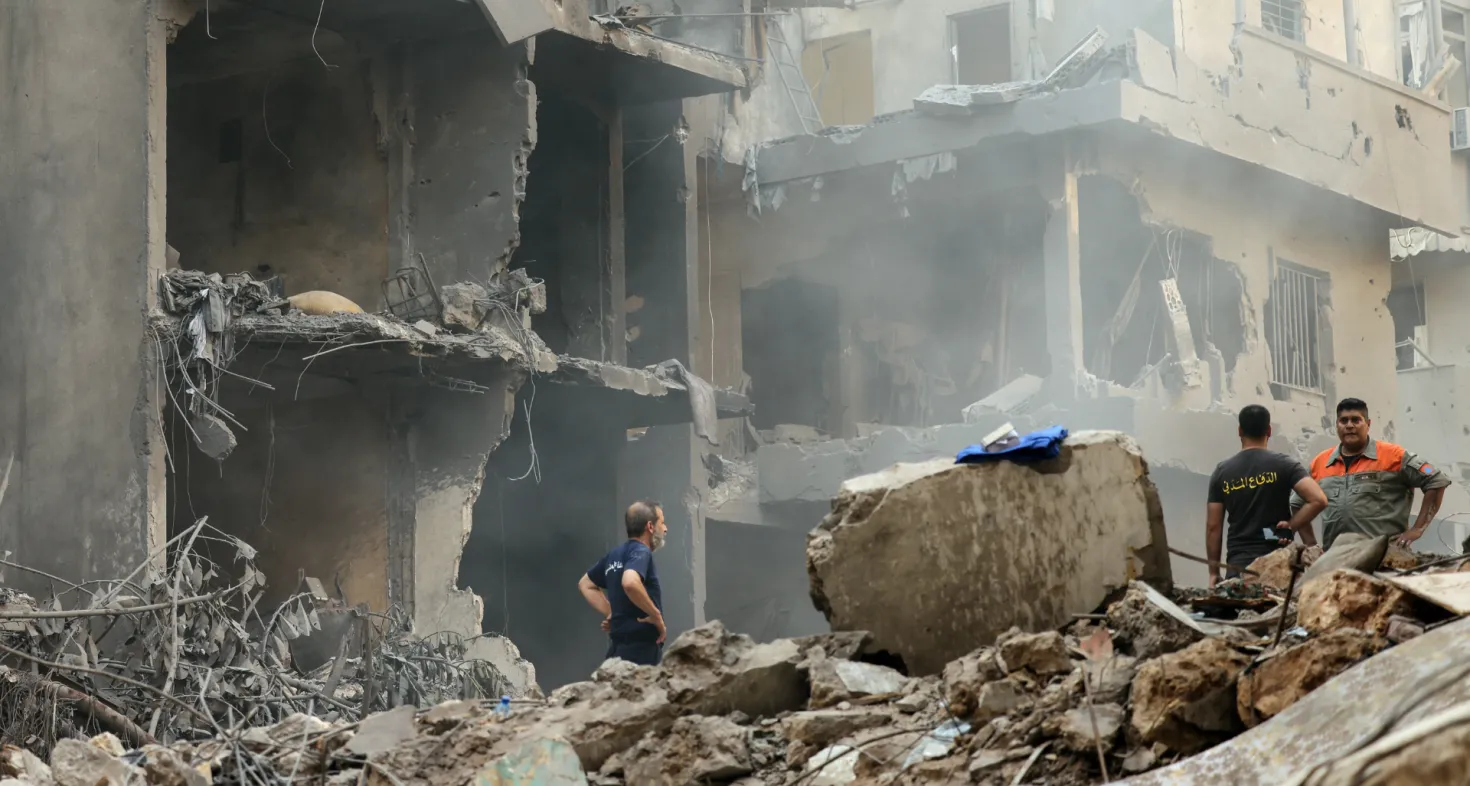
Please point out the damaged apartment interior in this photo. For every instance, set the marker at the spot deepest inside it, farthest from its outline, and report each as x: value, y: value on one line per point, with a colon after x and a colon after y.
x: 491, y: 210
x: 348, y: 330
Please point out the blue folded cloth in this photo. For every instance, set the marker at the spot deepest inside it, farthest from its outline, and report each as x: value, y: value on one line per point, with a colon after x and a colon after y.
x: 1037, y: 446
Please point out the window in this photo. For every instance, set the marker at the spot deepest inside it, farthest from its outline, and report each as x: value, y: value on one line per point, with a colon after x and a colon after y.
x: 1292, y: 331
x: 839, y: 71
x: 1456, y: 90
x: 1283, y: 17
x: 980, y: 46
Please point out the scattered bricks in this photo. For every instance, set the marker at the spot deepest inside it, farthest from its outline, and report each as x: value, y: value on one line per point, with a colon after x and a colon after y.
x: 1043, y: 654
x: 1350, y: 599
x: 1283, y: 679
x: 1186, y: 699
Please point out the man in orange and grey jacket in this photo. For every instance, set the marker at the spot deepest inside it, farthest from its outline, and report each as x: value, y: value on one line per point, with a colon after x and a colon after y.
x: 1370, y: 483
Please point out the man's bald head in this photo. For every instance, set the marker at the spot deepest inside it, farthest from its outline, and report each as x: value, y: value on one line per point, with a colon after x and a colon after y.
x: 641, y: 514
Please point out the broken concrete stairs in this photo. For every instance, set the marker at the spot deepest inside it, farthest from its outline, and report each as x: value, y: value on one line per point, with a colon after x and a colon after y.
x: 936, y: 559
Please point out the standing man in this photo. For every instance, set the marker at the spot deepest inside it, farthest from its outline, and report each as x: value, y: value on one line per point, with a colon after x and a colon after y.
x: 1370, y: 484
x: 623, y: 587
x: 1254, y: 488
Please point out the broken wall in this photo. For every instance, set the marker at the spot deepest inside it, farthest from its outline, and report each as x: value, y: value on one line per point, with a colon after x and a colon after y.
x: 1252, y: 221
x: 81, y: 233
x: 464, y: 116
x: 281, y: 172
x: 306, y: 486
x: 1333, y: 127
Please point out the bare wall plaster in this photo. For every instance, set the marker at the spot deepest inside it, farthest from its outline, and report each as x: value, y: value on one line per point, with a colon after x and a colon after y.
x: 309, y: 196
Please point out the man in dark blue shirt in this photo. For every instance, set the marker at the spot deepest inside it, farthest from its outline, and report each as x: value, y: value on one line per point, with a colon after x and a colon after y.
x: 623, y: 587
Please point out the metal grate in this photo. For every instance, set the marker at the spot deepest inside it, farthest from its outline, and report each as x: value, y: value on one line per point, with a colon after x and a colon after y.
x: 1283, y: 17
x: 1296, y: 302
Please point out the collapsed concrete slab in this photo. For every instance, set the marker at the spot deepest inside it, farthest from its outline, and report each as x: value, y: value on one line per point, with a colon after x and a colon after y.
x: 1420, y: 677
x: 936, y: 559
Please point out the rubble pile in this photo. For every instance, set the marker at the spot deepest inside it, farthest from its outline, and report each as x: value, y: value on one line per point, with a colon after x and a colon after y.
x: 192, y: 652
x: 184, y: 679
x: 1107, y: 697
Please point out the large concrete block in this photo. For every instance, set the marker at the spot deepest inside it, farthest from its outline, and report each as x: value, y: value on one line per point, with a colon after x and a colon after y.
x: 937, y: 559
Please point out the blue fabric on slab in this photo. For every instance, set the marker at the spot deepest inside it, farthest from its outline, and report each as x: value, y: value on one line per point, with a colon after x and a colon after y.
x: 1040, y: 445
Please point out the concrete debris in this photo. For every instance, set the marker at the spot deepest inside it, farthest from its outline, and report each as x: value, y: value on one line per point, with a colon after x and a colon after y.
x: 214, y: 437
x: 1186, y: 699
x: 834, y: 681
x: 811, y: 731
x: 1350, y: 599
x: 1282, y: 679
x: 1088, y: 523
x: 1147, y: 629
x: 1075, y: 727
x: 721, y: 708
x: 234, y: 670
x: 1351, y: 551
x: 1073, y: 70
x: 1043, y: 654
x: 1274, y: 569
x: 1416, y: 680
x: 697, y: 750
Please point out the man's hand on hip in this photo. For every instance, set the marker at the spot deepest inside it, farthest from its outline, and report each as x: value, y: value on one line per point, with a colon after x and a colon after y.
x: 606, y: 624
x: 657, y: 622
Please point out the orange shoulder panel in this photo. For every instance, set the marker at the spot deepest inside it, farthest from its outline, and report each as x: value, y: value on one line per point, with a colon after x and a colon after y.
x: 1319, y: 464
x: 1390, y: 457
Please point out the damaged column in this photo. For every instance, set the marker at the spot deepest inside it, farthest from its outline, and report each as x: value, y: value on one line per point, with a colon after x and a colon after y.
x: 938, y: 558
x: 1062, y: 266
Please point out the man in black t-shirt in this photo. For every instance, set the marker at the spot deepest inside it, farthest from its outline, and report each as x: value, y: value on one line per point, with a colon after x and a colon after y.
x: 1253, y: 488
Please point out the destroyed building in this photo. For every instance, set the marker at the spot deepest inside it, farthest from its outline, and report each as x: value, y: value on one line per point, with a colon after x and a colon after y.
x: 930, y: 221
x: 492, y: 183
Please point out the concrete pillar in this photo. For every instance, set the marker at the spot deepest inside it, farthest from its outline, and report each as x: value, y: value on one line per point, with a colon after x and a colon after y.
x: 82, y: 238
x: 662, y: 267
x: 1063, y: 278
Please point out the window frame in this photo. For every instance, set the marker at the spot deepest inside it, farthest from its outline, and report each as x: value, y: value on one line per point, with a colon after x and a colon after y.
x: 1296, y: 7
x: 952, y: 32
x: 1286, y: 372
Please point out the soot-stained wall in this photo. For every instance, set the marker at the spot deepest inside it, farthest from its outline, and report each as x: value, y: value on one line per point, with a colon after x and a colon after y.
x: 307, y: 487
x: 80, y: 232
x: 279, y: 172
x: 538, y: 527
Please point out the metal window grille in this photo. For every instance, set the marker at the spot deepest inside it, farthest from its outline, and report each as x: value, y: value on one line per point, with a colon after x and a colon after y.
x: 1283, y: 17
x: 1296, y: 301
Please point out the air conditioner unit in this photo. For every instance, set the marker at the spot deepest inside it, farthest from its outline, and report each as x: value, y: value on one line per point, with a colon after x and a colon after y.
x: 1460, y: 129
